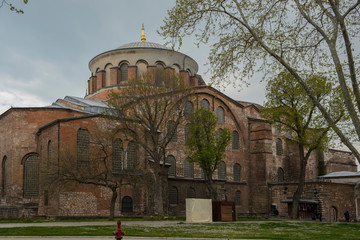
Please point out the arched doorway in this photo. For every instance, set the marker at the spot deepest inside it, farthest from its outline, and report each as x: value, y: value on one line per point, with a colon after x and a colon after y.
x: 333, y: 214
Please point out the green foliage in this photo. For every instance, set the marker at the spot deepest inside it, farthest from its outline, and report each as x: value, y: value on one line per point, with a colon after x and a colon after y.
x: 207, y: 146
x: 301, y: 37
x: 12, y: 7
x: 288, y: 105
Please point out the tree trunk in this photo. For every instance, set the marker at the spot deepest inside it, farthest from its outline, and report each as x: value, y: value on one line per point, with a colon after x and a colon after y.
x: 210, y: 187
x: 300, y: 187
x: 158, y: 206
x: 112, y: 203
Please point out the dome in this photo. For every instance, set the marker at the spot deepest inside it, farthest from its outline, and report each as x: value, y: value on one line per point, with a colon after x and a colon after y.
x: 143, y: 45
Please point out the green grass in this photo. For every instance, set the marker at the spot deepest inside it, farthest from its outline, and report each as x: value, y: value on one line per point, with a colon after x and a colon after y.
x: 254, y: 230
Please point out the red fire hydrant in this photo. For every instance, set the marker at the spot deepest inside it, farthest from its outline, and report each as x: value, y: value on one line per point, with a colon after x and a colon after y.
x: 118, y: 233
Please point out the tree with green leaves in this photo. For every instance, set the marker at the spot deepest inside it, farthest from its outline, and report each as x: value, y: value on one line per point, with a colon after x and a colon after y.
x: 148, y: 113
x: 12, y: 7
x: 301, y: 37
x: 288, y: 106
x: 207, y: 145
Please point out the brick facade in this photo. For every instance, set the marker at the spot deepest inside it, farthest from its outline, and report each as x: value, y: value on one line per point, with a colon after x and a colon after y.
x: 268, y: 166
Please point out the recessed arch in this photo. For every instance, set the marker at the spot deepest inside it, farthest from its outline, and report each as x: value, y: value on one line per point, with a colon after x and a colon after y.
x: 127, y: 204
x: 237, y: 172
x: 31, y: 175
x: 124, y: 71
x: 205, y: 104
x: 222, y: 171
x: 176, y: 68
x: 220, y: 114
x: 141, y: 67
x: 4, y: 175
x: 279, y: 147
x: 107, y: 68
x: 173, y: 195
x: 172, y: 169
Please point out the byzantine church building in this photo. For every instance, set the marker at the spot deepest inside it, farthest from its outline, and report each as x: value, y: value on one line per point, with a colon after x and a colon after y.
x: 259, y: 173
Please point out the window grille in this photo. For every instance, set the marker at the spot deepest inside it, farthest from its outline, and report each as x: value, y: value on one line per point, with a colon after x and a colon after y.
x: 131, y: 155
x: 237, y: 198
x: 171, y: 160
x: 189, y: 109
x: 83, y: 148
x: 173, y: 195
x: 118, y: 153
x: 235, y: 140
x: 279, y: 147
x: 123, y: 72
x: 205, y: 104
x: 222, y: 171
x: 188, y: 169
x: 237, y: 172
x: 220, y: 114
x: 191, y: 193
x: 127, y: 205
x: 31, y: 176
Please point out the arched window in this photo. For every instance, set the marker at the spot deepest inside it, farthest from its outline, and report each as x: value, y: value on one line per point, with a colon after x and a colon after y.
x: 159, y: 76
x: 123, y: 72
x: 172, y: 169
x: 106, y: 81
x: 205, y: 104
x: 186, y: 131
x: 171, y: 131
x: 4, y: 177
x: 280, y: 173
x: 173, y: 195
x: 83, y: 148
x: 222, y: 171
x: 235, y: 140
x: 188, y: 169
x: 237, y: 172
x: 219, y: 132
x: 279, y: 147
x: 237, y: 199
x: 131, y: 155
x: 127, y: 204
x: 220, y: 114
x: 118, y: 153
x: 50, y: 154
x: 31, y: 176
x: 189, y: 109
x: 190, y: 193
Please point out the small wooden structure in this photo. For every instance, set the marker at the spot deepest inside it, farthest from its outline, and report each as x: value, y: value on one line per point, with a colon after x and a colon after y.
x: 224, y: 211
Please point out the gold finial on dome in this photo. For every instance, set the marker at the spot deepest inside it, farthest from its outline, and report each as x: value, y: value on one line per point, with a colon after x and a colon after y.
x: 143, y: 37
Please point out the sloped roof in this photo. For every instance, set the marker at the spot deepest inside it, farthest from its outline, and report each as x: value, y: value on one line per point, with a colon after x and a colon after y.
x: 341, y: 174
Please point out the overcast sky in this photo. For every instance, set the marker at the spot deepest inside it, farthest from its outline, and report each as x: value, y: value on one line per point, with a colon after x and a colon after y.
x: 44, y: 53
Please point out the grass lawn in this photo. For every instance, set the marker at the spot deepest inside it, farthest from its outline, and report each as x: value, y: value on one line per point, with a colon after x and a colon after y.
x: 249, y: 230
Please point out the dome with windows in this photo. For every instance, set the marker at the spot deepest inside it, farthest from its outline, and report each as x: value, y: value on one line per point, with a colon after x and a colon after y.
x: 129, y: 61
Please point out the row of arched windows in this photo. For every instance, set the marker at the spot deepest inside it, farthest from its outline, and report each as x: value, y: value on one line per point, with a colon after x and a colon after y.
x: 30, y: 177
x: 220, y: 114
x: 124, y: 69
x: 190, y: 193
x: 189, y: 169
x: 122, y: 158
